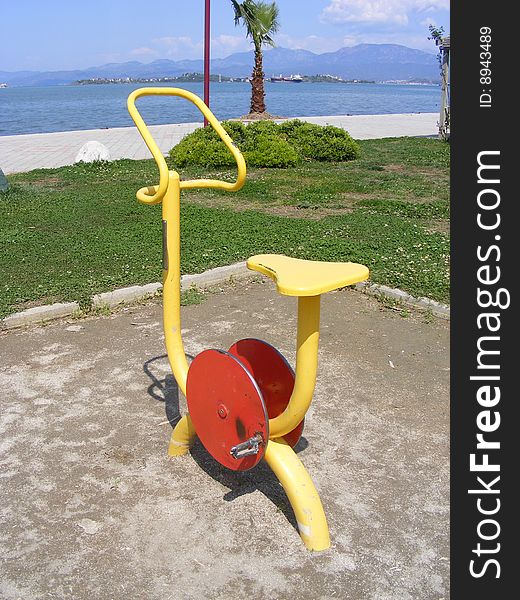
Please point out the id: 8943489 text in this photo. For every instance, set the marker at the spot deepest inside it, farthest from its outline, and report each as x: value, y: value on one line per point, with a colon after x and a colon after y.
x: 485, y: 67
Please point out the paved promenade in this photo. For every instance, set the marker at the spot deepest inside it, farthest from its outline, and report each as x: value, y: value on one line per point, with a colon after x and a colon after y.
x: 19, y: 153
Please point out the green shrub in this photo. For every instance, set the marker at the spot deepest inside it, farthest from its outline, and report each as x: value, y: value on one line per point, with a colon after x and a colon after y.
x: 258, y: 129
x: 207, y: 153
x: 290, y: 128
x: 269, y: 150
x: 266, y: 144
x: 236, y: 130
x: 204, y: 147
x: 315, y: 142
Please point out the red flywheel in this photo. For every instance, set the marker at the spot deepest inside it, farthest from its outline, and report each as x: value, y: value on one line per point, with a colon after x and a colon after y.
x: 273, y: 375
x: 227, y: 409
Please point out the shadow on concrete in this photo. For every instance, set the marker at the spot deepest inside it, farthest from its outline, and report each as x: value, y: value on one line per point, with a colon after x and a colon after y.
x: 246, y: 482
x: 239, y: 483
x: 164, y: 390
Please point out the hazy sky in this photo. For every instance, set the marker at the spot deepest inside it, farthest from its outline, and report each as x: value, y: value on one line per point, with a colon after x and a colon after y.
x: 75, y: 34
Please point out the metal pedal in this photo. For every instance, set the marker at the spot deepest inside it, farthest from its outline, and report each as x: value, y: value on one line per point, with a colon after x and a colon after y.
x: 247, y: 448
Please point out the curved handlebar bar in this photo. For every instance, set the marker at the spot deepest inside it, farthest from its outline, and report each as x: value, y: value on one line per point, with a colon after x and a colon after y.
x: 155, y: 194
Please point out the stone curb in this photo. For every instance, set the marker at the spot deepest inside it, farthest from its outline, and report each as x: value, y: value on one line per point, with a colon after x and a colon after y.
x: 373, y: 289
x: 219, y: 275
x: 39, y: 314
x: 42, y: 314
x: 216, y: 276
x: 128, y: 294
x: 200, y: 280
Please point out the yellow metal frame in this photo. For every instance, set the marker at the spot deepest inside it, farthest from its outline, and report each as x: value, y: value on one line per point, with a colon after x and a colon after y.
x: 279, y: 455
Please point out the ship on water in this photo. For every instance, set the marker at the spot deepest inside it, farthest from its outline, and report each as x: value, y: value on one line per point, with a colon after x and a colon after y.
x: 290, y: 79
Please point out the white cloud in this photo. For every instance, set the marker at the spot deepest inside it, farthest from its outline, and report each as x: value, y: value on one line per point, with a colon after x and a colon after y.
x: 185, y: 47
x: 144, y: 51
x: 378, y: 11
x: 360, y: 11
x: 178, y: 47
x: 432, y: 4
x: 313, y: 43
x: 428, y: 21
x: 223, y: 45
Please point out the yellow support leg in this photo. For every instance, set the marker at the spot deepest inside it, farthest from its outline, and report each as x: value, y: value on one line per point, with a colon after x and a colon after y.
x: 182, y: 438
x: 301, y: 492
x: 172, y: 282
x: 183, y: 435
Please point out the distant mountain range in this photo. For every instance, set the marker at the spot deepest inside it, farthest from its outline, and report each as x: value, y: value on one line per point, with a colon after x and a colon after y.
x: 378, y: 62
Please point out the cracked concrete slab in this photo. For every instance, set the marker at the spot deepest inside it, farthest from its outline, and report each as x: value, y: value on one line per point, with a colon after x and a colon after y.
x: 93, y: 508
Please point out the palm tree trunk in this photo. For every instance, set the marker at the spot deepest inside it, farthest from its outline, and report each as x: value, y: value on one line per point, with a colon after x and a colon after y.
x: 257, y: 84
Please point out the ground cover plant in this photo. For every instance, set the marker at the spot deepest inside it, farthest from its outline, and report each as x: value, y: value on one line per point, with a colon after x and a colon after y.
x: 68, y: 233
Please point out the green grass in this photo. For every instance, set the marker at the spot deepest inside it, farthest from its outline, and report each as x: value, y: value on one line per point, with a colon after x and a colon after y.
x: 72, y: 232
x: 191, y: 297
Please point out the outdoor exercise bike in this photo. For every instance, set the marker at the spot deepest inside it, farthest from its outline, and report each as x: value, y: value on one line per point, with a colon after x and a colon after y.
x: 246, y: 403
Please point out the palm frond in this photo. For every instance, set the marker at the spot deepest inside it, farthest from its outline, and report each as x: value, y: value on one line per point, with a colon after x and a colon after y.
x: 238, y: 11
x: 259, y: 18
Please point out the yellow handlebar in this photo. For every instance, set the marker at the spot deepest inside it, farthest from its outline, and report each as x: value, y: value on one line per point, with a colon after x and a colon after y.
x: 155, y: 194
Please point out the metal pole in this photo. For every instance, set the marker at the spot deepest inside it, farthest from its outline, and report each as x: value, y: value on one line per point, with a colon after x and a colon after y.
x: 207, y: 44
x: 443, y: 118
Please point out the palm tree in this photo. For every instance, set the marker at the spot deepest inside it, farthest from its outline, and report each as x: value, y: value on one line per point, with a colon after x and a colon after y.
x: 261, y: 22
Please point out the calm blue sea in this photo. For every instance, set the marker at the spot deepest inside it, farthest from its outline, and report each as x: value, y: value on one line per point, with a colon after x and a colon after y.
x: 67, y: 108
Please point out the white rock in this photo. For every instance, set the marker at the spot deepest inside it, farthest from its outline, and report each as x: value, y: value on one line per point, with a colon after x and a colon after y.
x: 4, y: 185
x: 89, y: 526
x: 92, y: 151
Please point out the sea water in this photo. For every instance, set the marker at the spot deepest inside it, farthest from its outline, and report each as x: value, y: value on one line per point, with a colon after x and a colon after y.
x: 77, y: 107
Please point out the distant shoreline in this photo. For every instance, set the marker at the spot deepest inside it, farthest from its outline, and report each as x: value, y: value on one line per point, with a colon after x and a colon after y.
x: 199, y: 78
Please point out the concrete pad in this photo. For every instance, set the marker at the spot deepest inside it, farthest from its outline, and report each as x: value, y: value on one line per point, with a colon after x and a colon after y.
x: 93, y: 508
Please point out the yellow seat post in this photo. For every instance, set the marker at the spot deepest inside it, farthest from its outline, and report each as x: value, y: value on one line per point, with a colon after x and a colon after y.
x: 280, y: 457
x: 306, y: 367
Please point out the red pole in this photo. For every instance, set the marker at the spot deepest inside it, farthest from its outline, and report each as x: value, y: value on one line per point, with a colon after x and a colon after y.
x: 207, y: 44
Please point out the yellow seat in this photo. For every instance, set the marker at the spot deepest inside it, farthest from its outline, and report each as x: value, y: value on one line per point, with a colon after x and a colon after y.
x: 296, y: 277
